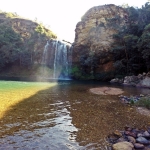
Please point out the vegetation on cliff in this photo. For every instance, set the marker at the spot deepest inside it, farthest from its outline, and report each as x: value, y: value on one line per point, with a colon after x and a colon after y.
x: 112, y: 41
x: 131, y: 49
x: 21, y: 41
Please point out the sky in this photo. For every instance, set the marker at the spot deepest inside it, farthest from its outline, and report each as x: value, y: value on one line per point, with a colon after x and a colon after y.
x: 61, y: 16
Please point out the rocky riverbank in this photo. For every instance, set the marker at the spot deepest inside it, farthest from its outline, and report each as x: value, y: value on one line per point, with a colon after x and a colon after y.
x: 133, y: 99
x: 142, y: 80
x: 130, y: 139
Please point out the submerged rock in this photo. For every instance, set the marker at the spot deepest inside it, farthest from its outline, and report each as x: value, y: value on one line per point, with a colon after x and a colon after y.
x: 138, y: 146
x: 106, y: 91
x: 142, y: 140
x: 123, y: 146
x: 131, y: 138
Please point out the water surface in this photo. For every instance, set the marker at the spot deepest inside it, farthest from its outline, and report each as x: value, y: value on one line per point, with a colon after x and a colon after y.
x: 65, y: 116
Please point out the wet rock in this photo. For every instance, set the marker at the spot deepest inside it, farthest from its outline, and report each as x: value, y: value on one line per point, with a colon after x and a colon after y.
x: 139, y: 138
x: 138, y: 146
x: 142, y: 80
x: 144, y: 83
x: 148, y: 130
x: 148, y: 74
x: 121, y: 139
x: 142, y: 140
x: 123, y: 146
x: 147, y: 147
x: 146, y: 134
x: 139, y: 135
x: 130, y: 134
x: 131, y: 139
x: 112, y: 139
x: 106, y: 91
x: 118, y: 133
x: 128, y: 128
x: 116, y: 80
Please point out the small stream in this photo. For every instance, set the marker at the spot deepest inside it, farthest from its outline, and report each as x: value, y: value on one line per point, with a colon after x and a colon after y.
x: 68, y: 117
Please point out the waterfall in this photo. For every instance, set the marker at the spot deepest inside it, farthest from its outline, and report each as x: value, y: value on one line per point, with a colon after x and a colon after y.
x: 55, y: 60
x: 45, y: 53
x: 56, y: 56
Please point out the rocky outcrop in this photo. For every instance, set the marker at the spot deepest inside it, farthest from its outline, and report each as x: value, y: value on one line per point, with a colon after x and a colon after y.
x: 142, y: 80
x: 33, y: 35
x: 94, y: 38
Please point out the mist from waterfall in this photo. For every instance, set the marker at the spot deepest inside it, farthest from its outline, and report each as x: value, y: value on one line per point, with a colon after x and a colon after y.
x: 57, y: 55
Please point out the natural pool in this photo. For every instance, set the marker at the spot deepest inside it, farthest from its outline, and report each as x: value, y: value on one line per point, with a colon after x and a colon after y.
x: 62, y: 116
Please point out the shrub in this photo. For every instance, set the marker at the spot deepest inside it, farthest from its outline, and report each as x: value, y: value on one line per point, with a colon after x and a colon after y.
x: 42, y: 30
x: 144, y: 102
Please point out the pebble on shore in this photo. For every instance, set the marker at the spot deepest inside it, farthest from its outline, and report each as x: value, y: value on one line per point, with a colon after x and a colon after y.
x: 130, y: 138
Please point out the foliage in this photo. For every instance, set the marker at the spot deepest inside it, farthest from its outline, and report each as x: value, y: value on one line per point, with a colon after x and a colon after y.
x: 144, y: 102
x: 131, y: 49
x: 10, y: 46
x: 20, y: 45
x: 42, y: 30
x: 10, y: 15
x: 75, y: 72
x: 144, y: 45
x: 104, y: 76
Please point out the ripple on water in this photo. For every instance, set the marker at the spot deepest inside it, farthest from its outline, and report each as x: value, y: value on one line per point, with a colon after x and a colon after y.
x: 67, y: 116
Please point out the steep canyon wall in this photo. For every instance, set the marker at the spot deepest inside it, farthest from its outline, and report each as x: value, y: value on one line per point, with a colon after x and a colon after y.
x: 94, y: 39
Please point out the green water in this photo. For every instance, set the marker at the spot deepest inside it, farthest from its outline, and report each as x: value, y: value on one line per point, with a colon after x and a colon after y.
x: 63, y: 115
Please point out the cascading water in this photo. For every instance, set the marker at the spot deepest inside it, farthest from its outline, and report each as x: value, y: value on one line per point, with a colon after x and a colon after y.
x: 45, y: 53
x: 57, y: 56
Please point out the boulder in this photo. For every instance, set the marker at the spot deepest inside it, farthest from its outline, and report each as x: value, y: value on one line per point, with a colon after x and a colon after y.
x: 94, y: 38
x: 106, y: 91
x: 123, y: 146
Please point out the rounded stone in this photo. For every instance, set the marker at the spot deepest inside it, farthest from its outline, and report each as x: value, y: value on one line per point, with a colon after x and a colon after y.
x: 138, y: 146
x: 142, y: 140
x: 131, y: 139
x: 106, y: 91
x: 123, y: 146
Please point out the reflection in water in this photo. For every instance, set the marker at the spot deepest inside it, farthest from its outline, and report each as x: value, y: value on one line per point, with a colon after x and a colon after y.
x: 67, y: 116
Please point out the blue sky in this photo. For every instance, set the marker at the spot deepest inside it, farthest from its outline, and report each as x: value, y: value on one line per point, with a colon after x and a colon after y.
x: 60, y: 15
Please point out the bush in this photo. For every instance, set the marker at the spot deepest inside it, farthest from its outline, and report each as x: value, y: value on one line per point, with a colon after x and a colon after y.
x: 75, y: 72
x: 42, y: 30
x: 144, y: 102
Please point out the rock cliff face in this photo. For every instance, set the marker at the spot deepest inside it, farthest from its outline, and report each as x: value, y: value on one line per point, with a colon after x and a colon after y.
x: 32, y: 35
x: 94, y: 38
x: 22, y: 44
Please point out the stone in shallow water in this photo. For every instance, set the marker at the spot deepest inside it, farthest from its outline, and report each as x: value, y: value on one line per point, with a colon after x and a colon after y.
x: 138, y: 146
x: 130, y: 134
x: 146, y: 134
x: 106, y: 91
x: 123, y: 146
x: 118, y: 133
x: 142, y: 140
x: 121, y: 139
x: 131, y: 139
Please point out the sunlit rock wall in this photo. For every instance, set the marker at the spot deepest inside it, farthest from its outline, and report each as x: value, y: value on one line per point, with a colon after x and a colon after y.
x: 94, y: 33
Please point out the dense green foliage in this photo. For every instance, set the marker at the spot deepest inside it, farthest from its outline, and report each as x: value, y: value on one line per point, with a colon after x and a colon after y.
x: 21, y: 41
x: 10, y: 46
x: 131, y: 49
x: 144, y: 102
x: 42, y: 30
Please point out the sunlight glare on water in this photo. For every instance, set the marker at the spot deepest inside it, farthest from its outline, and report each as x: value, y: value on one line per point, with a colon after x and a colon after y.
x: 66, y: 116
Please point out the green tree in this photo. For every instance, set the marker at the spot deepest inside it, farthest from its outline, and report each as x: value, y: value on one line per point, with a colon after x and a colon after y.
x: 10, y: 44
x: 144, y: 46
